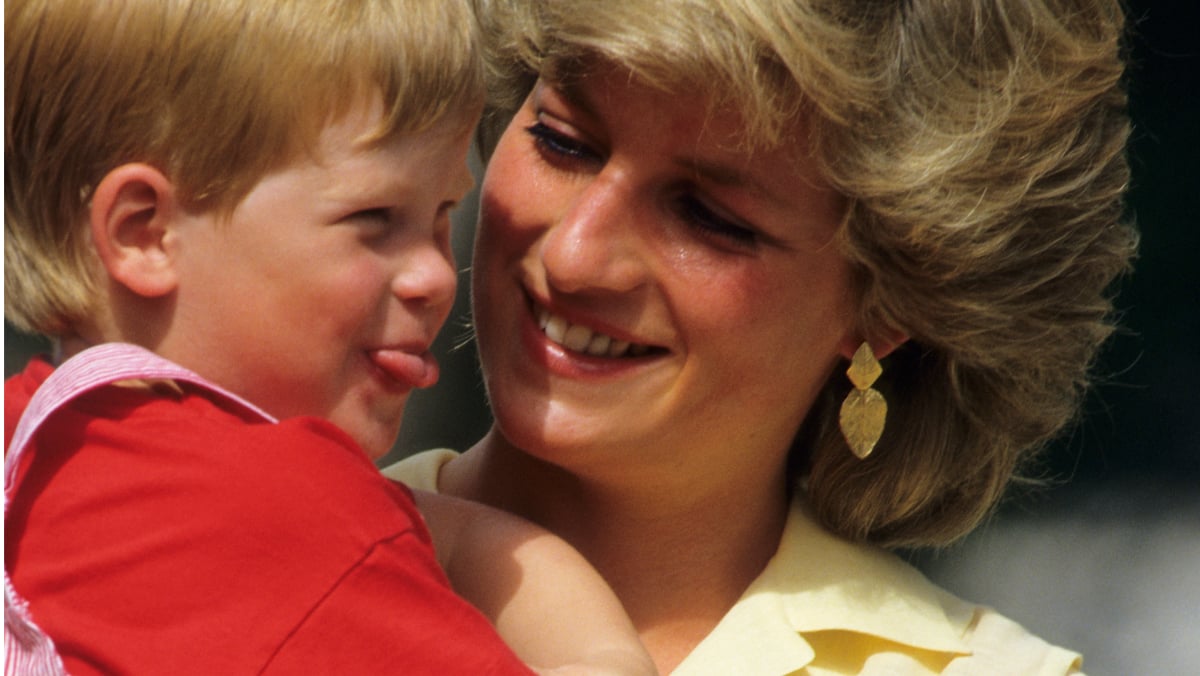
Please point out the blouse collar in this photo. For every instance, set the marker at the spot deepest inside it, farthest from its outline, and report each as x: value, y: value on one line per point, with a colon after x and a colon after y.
x: 818, y: 582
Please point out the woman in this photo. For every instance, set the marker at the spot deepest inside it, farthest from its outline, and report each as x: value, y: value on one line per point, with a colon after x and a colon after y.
x: 706, y: 222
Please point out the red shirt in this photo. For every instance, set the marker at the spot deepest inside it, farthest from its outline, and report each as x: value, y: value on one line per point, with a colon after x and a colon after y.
x: 157, y: 533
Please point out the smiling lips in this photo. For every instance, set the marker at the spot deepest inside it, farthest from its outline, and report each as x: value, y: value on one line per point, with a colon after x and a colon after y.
x: 579, y: 338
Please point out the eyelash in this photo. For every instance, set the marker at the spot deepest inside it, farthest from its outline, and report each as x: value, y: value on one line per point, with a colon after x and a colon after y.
x: 372, y: 223
x: 377, y: 214
x: 557, y: 144
x: 702, y: 218
x: 559, y: 148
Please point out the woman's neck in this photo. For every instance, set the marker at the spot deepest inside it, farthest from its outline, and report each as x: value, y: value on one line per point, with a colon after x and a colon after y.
x: 677, y: 553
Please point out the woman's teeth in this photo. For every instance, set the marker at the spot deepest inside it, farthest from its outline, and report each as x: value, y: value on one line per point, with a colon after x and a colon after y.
x: 582, y: 339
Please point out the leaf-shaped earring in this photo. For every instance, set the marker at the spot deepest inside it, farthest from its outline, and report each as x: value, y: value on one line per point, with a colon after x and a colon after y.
x: 865, y: 410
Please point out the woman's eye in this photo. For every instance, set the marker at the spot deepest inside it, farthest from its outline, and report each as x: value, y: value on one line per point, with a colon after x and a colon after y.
x: 708, y: 222
x: 557, y: 144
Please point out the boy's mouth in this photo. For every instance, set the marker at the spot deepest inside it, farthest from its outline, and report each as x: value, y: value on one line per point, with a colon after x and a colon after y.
x: 407, y: 369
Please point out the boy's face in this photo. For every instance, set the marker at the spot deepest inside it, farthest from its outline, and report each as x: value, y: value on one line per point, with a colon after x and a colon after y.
x: 323, y: 291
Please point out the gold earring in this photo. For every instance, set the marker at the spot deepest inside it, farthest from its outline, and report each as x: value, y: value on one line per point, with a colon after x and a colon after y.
x: 864, y: 411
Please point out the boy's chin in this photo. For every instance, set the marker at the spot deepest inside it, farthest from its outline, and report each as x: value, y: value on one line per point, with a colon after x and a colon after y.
x: 375, y: 440
x: 378, y: 448
x: 374, y: 426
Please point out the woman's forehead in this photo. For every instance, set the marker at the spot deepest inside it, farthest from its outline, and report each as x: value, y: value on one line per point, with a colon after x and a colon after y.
x: 763, y: 90
x: 687, y: 134
x: 720, y: 125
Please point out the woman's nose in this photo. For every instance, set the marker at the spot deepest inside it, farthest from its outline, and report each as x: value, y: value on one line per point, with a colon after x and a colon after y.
x: 595, y: 245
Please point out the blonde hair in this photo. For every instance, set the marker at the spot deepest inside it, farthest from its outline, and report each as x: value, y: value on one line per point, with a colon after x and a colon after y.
x: 980, y: 146
x: 214, y: 93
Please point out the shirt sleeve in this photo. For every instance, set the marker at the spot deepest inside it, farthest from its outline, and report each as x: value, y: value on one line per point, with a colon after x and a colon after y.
x: 391, y: 614
x: 1002, y: 647
x: 161, y: 535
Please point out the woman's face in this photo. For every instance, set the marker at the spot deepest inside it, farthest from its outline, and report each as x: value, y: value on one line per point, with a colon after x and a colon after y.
x: 648, y: 290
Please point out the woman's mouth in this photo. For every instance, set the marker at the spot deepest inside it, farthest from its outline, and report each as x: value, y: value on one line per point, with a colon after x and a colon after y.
x: 585, y: 340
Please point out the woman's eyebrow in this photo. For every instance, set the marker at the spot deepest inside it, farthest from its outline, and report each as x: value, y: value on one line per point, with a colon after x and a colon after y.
x: 727, y: 177
x: 573, y: 94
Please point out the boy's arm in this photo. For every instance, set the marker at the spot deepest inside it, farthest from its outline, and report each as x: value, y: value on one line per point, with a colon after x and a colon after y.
x: 546, y: 601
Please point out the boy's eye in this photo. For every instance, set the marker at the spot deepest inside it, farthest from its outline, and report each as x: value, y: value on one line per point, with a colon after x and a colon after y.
x: 377, y: 215
x: 555, y: 144
x: 702, y: 218
x: 373, y: 223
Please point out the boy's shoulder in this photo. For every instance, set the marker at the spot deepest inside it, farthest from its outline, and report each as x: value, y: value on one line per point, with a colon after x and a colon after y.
x: 19, y: 388
x: 161, y: 437
x: 162, y: 505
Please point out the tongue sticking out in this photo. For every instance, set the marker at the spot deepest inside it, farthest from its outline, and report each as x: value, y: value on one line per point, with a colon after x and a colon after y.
x: 410, y: 370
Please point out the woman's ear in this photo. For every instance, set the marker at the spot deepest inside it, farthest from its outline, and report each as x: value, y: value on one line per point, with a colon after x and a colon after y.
x: 882, y: 344
x: 132, y: 212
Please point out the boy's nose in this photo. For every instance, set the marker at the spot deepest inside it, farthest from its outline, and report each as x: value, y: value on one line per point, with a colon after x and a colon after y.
x: 427, y: 277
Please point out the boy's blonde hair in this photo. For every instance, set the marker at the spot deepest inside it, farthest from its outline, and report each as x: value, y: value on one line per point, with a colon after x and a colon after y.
x: 980, y: 145
x: 214, y: 93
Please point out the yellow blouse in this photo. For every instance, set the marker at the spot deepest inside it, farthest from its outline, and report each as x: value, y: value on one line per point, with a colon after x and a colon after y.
x: 826, y: 606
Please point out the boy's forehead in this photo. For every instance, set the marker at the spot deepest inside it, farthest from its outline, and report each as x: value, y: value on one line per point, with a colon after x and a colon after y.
x: 367, y: 123
x: 362, y: 139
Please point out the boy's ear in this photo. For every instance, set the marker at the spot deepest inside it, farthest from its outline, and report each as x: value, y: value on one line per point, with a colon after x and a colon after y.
x: 131, y: 220
x: 882, y: 344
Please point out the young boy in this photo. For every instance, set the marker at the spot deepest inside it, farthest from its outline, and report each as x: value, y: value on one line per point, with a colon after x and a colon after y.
x: 257, y: 194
